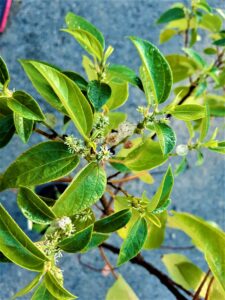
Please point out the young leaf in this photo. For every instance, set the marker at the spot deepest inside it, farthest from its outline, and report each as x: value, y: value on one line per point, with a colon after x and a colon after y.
x: 96, y: 240
x: 166, y: 136
x: 76, y: 242
x: 25, y: 106
x: 146, y: 156
x: 196, y: 57
x: 205, y: 124
x: 75, y: 22
x: 56, y: 289
x: 153, y: 219
x: 158, y: 69
x: 28, y: 288
x: 209, y: 239
x: 41, y: 293
x: 134, y: 241
x: 171, y: 14
x: 211, y: 22
x: 121, y: 290
x: 33, y: 207
x: 71, y: 97
x: 188, y: 112
x: 181, y: 167
x: 42, y: 163
x: 166, y: 35
x: 7, y: 129
x: 98, y: 93
x: 113, y: 222
x: 16, y: 245
x: 220, y: 148
x: 124, y: 73
x: 4, y: 74
x: 24, y: 127
x: 85, y: 189
x: 119, y: 94
x: 163, y: 192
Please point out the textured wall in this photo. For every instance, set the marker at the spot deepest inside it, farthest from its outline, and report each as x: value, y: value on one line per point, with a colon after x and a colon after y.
x: 33, y: 32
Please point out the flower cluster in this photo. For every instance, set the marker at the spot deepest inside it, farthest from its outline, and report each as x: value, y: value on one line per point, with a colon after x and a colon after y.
x: 124, y: 130
x: 76, y: 146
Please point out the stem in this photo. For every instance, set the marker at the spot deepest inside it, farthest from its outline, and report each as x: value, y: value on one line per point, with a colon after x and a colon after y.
x: 209, y: 288
x: 105, y: 258
x: 126, y: 179
x: 164, y: 279
x: 197, y: 294
x: 45, y: 134
x: 119, y: 188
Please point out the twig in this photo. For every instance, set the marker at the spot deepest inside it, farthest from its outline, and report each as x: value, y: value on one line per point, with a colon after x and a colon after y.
x: 47, y: 135
x: 105, y: 258
x: 113, y: 175
x: 129, y: 178
x: 178, y: 248
x: 172, y: 286
x: 87, y: 265
x: 118, y: 188
x: 209, y: 288
x: 197, y: 293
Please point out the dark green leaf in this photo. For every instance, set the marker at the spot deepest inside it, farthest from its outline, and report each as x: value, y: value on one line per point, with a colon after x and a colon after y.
x: 166, y: 136
x: 171, y: 14
x: 220, y: 42
x: 16, y: 245
x: 4, y: 74
x: 42, y: 163
x: 196, y: 57
x: 75, y: 22
x: 24, y: 127
x: 76, y: 242
x: 56, y: 289
x: 33, y: 207
x: 134, y: 241
x: 98, y: 93
x: 4, y: 109
x: 25, y: 106
x: 96, y: 240
x: 85, y: 189
x: 7, y: 129
x: 78, y: 79
x: 42, y: 293
x: 113, y: 222
x: 157, y: 67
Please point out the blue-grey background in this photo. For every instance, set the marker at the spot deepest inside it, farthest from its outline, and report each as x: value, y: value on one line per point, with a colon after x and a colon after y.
x: 33, y: 32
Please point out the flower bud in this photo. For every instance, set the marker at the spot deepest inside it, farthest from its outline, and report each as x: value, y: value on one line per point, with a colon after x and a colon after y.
x: 182, y: 150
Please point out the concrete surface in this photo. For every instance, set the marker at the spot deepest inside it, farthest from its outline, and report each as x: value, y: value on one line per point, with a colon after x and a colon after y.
x: 33, y: 32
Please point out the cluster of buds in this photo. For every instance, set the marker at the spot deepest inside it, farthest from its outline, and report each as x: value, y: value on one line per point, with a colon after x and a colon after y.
x: 76, y: 146
x: 99, y: 127
x: 182, y: 150
x: 138, y: 204
x: 103, y: 154
x: 84, y: 216
x: 124, y: 130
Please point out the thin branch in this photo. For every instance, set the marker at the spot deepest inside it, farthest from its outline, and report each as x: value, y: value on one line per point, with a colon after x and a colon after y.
x: 87, y: 265
x: 172, y: 286
x: 198, y: 292
x: 105, y: 258
x: 209, y: 288
x: 178, y: 248
x: 45, y: 134
x: 113, y: 175
x: 129, y: 178
x: 119, y: 188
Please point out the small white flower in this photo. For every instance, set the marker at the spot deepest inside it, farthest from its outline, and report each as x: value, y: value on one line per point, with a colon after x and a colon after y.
x: 182, y: 150
x: 64, y: 222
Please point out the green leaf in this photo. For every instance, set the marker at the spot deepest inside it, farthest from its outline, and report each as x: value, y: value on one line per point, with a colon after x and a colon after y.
x: 42, y: 293
x: 220, y: 148
x: 76, y: 242
x: 113, y: 222
x: 4, y: 74
x: 124, y: 73
x: 78, y: 79
x: 163, y: 192
x: 196, y: 57
x: 166, y: 35
x: 183, y: 271
x: 153, y: 219
x: 98, y: 93
x: 42, y: 85
x: 134, y: 241
x: 96, y: 240
x: 209, y: 239
x: 171, y: 14
x: 205, y: 124
x: 87, y: 41
x: 166, y: 136
x: 182, y: 67
x: 75, y: 22
x: 24, y: 127
x: 25, y: 106
x: 156, y: 234
x: 157, y: 67
x: 216, y: 105
x: 16, y: 245
x: 56, y: 289
x: 210, y: 51
x: 89, y: 68
x: 42, y: 163
x: 148, y: 155
x: 85, y: 189
x: 115, y: 119
x: 220, y: 42
x: 119, y: 94
x: 71, y: 97
x: 121, y: 290
x: 211, y: 22
x: 188, y: 112
x: 4, y: 109
x: 33, y: 207
x: 7, y: 129
x: 28, y: 288
x: 181, y: 167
